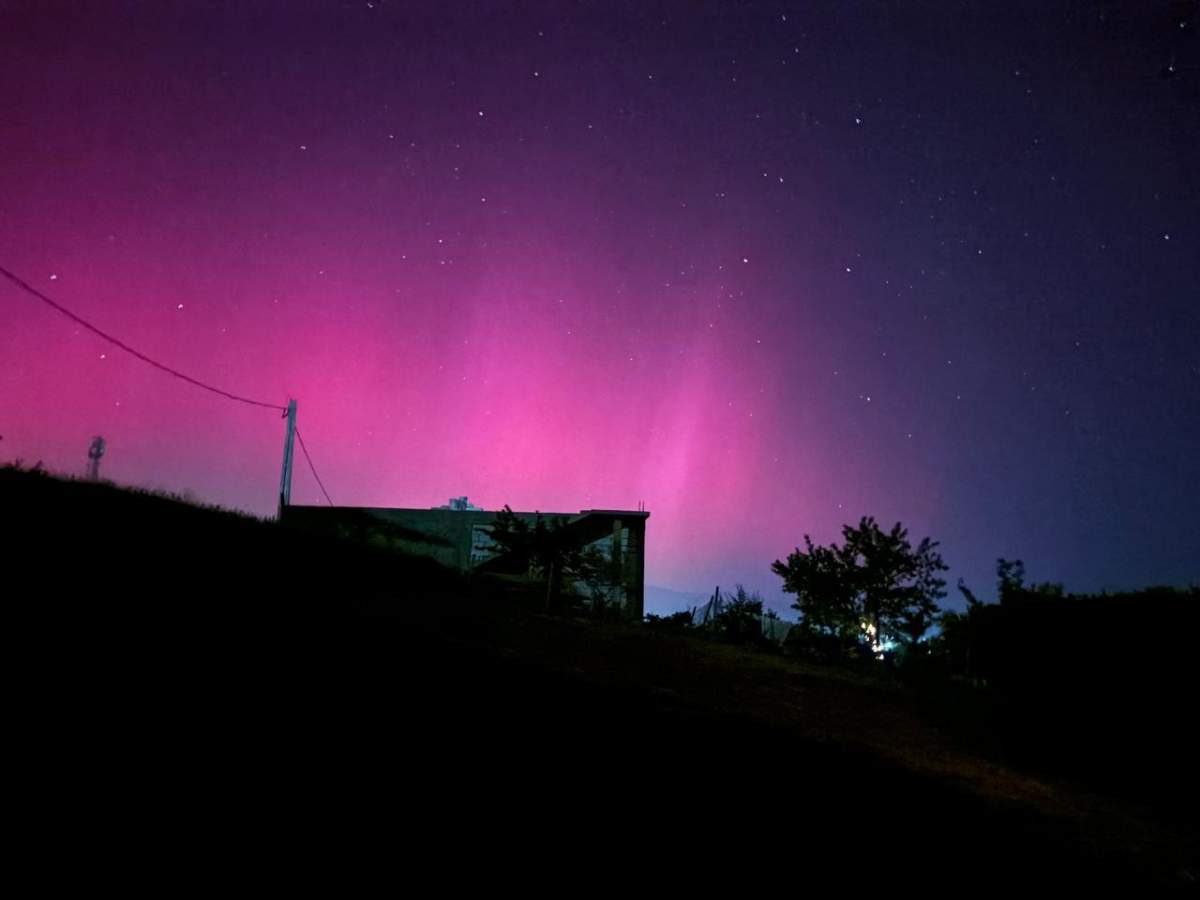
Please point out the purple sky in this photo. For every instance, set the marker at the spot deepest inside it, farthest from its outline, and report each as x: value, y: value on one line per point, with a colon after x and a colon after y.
x: 765, y: 268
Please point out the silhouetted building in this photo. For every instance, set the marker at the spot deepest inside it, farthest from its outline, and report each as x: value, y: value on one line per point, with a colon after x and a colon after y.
x: 459, y: 537
x: 460, y: 504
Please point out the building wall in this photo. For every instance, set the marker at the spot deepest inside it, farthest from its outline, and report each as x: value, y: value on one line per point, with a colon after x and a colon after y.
x: 458, y: 539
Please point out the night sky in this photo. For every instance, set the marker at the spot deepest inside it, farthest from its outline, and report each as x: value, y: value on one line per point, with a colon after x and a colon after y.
x: 767, y: 267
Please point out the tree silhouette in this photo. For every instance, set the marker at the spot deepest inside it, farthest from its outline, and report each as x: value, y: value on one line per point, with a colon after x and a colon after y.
x: 875, y: 588
x: 545, y: 550
x: 959, y: 638
x: 740, y: 618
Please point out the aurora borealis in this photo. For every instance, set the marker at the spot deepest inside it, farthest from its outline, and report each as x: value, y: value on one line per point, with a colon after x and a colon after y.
x: 766, y: 267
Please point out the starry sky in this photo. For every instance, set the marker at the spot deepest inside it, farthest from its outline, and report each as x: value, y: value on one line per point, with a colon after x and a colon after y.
x: 765, y: 267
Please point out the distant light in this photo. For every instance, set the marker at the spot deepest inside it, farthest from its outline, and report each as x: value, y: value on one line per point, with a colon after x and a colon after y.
x: 54, y: 278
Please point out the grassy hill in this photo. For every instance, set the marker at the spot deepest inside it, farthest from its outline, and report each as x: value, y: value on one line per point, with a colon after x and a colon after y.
x: 197, y: 676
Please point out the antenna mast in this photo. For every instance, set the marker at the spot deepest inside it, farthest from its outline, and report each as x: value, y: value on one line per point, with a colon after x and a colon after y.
x: 95, y: 451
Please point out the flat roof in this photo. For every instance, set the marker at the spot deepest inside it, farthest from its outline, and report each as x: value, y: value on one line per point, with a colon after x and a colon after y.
x: 626, y: 513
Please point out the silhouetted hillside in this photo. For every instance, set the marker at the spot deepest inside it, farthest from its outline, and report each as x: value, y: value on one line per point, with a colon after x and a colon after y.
x: 195, y: 672
x: 99, y: 550
x: 1093, y: 687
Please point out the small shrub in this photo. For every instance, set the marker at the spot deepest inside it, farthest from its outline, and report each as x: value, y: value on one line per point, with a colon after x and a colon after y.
x: 676, y: 623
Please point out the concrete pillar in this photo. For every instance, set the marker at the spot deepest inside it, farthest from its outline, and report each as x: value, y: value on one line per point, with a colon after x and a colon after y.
x: 635, y: 590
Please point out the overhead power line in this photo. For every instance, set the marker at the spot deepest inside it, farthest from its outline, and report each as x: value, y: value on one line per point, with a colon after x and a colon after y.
x: 300, y: 438
x: 30, y: 289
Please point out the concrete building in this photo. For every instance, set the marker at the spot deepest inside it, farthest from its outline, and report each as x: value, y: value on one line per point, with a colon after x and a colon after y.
x: 459, y: 537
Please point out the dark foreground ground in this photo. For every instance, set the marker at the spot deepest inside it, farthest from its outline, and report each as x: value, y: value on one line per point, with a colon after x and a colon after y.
x: 208, y: 700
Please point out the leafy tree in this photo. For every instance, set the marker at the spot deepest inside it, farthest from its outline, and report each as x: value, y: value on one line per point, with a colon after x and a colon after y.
x: 1013, y: 590
x: 545, y: 550
x: 514, y: 537
x: 876, y: 588
x: 977, y: 642
x: 1010, y: 576
x: 599, y: 574
x: 824, y: 597
x: 740, y: 618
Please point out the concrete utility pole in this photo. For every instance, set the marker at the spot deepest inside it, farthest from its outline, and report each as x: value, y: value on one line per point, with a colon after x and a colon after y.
x: 285, y: 478
x: 95, y: 451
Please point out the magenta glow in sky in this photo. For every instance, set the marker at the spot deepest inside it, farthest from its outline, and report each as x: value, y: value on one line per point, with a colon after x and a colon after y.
x: 766, y: 272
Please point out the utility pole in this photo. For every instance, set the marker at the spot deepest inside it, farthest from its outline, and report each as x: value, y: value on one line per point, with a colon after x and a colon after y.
x: 285, y: 478
x: 95, y: 451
